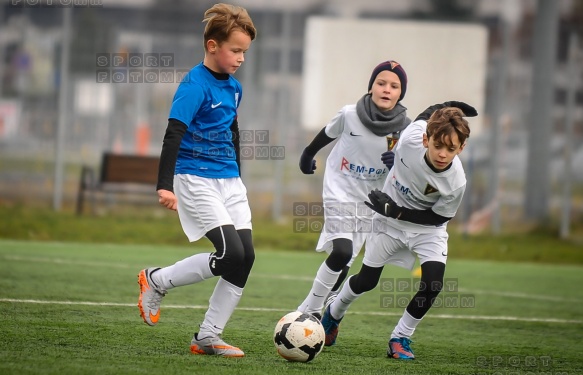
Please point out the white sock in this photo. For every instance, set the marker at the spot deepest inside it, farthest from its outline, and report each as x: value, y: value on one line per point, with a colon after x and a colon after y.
x: 184, y: 272
x: 406, y: 326
x: 222, y: 303
x: 345, y: 298
x: 323, y: 284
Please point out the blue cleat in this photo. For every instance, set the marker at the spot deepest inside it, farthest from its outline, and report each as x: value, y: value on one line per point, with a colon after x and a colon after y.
x: 399, y: 348
x: 330, y: 327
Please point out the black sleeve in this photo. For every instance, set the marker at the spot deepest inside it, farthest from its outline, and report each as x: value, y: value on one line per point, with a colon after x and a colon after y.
x: 319, y: 142
x: 236, y: 142
x: 422, y: 217
x: 425, y: 115
x: 174, y: 133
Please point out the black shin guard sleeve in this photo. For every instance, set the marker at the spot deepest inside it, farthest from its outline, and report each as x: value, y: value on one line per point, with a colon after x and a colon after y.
x: 341, y: 279
x: 431, y: 284
x: 234, y: 255
x: 340, y: 255
x: 366, y: 279
x: 229, y: 252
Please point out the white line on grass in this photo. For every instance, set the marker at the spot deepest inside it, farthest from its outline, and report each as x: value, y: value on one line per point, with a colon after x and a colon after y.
x: 264, y: 309
x: 519, y: 295
x: 285, y: 277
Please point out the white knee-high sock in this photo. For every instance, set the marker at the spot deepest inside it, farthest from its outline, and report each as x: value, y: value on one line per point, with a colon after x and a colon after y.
x: 345, y: 298
x: 222, y: 303
x: 406, y: 326
x: 323, y: 284
x: 184, y: 272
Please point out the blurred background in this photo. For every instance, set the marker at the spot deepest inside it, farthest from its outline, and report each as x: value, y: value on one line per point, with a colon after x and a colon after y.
x: 65, y: 100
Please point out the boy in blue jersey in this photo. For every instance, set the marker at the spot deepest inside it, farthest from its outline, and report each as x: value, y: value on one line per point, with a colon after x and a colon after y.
x: 199, y: 177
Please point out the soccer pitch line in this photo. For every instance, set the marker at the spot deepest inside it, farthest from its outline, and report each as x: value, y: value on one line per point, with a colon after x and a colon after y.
x: 265, y: 309
x: 310, y: 279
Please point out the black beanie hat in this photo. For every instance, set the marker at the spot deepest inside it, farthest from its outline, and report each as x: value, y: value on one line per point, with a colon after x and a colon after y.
x: 391, y: 66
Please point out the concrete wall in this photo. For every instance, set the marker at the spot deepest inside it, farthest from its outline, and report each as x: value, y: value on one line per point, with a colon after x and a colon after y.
x: 443, y: 61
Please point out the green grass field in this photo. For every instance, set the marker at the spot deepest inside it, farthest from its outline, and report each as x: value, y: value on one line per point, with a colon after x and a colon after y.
x: 68, y: 308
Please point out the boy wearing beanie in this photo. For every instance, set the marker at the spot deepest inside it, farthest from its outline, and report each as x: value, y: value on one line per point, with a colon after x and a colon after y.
x: 358, y: 163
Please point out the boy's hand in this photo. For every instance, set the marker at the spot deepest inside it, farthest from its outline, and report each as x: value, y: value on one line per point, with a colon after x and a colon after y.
x: 380, y: 202
x: 167, y: 199
x: 388, y: 158
x: 307, y: 163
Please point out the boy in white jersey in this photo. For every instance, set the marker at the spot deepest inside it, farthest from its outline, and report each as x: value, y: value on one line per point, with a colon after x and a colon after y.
x: 358, y: 163
x: 422, y: 193
x: 199, y: 177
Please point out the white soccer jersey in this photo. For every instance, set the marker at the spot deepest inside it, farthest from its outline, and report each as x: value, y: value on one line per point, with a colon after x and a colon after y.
x: 354, y: 166
x: 411, y: 183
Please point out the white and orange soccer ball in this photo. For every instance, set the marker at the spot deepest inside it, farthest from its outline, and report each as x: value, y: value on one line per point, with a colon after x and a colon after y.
x: 299, y: 337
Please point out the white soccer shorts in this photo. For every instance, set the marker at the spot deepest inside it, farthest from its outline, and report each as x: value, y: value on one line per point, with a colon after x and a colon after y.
x: 342, y: 220
x: 207, y: 203
x: 397, y: 247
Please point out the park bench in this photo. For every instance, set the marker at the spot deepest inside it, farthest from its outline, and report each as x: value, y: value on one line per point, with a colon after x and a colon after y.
x: 129, y: 174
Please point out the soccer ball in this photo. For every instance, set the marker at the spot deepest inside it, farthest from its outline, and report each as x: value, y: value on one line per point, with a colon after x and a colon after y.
x: 299, y: 337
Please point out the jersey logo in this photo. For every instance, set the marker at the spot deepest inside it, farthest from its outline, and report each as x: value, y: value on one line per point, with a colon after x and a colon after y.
x: 404, y: 164
x: 391, y: 142
x: 430, y: 189
x: 355, y: 135
x: 216, y: 105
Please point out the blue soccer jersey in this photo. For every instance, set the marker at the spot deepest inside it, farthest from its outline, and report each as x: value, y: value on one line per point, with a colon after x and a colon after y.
x: 208, y: 106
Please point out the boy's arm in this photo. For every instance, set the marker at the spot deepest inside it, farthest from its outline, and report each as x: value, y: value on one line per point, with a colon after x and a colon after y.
x: 307, y: 162
x: 467, y: 109
x: 174, y: 133
x: 384, y: 205
x: 236, y: 142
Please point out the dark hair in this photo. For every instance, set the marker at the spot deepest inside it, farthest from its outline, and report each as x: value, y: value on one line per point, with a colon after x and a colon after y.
x: 445, y: 121
x: 222, y: 19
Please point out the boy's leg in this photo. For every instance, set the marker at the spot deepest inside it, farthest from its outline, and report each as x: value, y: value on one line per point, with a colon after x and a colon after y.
x: 222, y: 303
x: 224, y: 299
x: 358, y: 240
x: 340, y: 280
x: 432, y: 273
x: 366, y: 279
x: 184, y: 272
x: 327, y: 276
x: 155, y: 282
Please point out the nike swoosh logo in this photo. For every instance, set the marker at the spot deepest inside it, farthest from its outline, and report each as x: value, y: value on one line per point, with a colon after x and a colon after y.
x: 216, y: 105
x: 315, y: 295
x: 154, y: 318
x: 403, y: 163
x: 444, y: 253
x: 355, y: 135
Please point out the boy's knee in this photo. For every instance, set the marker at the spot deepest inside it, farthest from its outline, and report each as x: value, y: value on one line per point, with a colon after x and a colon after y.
x: 249, y: 259
x: 340, y: 255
